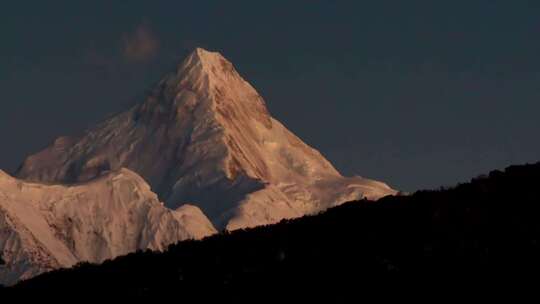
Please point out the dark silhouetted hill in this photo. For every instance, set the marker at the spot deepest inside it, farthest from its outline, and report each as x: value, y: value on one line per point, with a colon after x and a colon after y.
x: 485, y: 231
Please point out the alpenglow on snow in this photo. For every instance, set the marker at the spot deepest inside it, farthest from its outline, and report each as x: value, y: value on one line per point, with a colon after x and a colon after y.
x: 44, y: 227
x: 204, y: 137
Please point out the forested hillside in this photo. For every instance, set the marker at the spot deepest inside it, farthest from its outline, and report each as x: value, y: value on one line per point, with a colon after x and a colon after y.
x: 487, y: 229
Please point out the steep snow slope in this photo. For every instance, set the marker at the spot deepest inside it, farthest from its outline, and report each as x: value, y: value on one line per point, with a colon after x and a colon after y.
x: 204, y: 136
x: 43, y: 227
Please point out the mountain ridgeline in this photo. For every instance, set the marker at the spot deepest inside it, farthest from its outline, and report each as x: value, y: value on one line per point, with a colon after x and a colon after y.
x: 200, y: 154
x: 44, y: 227
x: 482, y: 231
x: 204, y: 136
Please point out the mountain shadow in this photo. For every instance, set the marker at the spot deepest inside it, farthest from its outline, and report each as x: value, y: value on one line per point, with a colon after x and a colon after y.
x: 483, y: 231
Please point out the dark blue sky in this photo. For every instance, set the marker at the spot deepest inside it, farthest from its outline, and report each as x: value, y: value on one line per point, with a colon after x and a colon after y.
x: 415, y: 93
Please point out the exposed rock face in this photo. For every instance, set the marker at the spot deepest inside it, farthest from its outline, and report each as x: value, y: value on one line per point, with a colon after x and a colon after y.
x: 43, y: 227
x: 204, y: 136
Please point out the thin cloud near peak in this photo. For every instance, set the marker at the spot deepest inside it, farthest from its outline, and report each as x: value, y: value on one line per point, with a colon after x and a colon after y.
x: 140, y: 45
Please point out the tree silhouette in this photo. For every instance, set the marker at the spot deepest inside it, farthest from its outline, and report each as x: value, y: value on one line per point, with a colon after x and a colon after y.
x: 483, y: 231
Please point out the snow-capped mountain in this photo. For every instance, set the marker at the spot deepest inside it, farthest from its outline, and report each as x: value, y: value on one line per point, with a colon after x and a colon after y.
x: 44, y: 227
x: 204, y: 136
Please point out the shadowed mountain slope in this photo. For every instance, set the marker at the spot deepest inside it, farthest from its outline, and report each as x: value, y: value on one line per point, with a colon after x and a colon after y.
x: 484, y: 231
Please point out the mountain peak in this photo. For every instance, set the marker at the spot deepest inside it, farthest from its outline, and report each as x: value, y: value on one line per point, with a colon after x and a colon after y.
x: 204, y: 135
x: 210, y: 62
x: 202, y: 56
x: 204, y: 53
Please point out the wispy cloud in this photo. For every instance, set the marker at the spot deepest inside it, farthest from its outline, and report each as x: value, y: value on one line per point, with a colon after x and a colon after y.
x: 141, y: 45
